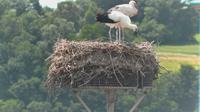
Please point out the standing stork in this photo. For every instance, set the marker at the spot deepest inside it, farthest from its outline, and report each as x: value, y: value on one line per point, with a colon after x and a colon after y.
x: 130, y: 10
x: 118, y: 19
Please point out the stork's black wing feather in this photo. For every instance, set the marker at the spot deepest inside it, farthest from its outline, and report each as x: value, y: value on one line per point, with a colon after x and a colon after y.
x: 103, y: 18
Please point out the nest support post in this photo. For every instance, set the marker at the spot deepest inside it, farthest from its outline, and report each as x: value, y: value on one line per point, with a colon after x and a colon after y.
x: 110, y: 99
x: 138, y: 102
x: 82, y: 102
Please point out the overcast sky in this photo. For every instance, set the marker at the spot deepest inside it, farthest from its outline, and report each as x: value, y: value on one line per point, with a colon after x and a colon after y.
x: 53, y: 3
x: 50, y: 3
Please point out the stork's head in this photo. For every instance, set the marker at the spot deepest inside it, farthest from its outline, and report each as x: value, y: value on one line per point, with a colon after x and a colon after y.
x: 134, y: 28
x: 134, y: 4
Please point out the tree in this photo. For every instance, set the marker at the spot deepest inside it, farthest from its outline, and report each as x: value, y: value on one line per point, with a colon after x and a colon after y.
x: 27, y: 90
x: 36, y: 5
x: 19, y: 5
x: 174, y: 92
x: 70, y: 11
x: 65, y: 28
x: 88, y: 11
x: 92, y: 32
x: 35, y: 106
x: 10, y: 106
x: 151, y: 30
x: 179, y: 23
x: 185, y: 89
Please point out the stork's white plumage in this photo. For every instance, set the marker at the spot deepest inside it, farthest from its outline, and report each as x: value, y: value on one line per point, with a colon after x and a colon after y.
x: 122, y: 20
x: 116, y: 19
x: 130, y: 9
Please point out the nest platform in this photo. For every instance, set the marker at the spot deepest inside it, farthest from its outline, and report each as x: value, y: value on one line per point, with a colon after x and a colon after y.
x: 89, y: 64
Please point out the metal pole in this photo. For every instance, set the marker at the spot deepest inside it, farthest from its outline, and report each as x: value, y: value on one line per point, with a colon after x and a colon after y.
x: 110, y: 99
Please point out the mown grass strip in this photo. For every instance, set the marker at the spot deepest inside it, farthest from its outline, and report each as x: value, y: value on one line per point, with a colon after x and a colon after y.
x: 173, y: 62
x: 184, y: 49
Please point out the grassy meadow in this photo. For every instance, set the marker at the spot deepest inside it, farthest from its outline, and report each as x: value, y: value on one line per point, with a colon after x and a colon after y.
x: 172, y: 57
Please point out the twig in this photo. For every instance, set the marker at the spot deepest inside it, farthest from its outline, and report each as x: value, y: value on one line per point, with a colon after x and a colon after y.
x: 88, y: 81
x: 114, y: 69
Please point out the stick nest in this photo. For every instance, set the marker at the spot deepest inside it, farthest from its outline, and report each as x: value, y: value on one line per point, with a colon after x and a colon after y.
x: 80, y: 64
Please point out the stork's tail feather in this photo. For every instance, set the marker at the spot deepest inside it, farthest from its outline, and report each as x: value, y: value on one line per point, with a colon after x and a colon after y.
x: 103, y: 18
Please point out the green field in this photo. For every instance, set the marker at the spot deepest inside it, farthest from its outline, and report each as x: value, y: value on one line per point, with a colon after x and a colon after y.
x: 172, y: 57
x: 185, y: 49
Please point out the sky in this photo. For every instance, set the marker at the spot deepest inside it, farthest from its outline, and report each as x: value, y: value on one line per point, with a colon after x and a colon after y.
x: 50, y: 3
x: 53, y: 3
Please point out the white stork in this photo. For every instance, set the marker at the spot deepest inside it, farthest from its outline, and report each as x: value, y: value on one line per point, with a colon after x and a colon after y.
x: 117, y: 19
x: 130, y: 10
